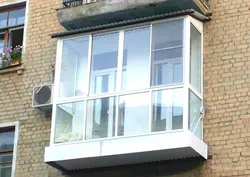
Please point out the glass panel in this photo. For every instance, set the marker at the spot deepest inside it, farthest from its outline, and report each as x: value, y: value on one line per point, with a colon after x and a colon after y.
x: 100, y: 118
x: 167, y: 39
x: 16, y: 37
x: 104, y: 63
x: 5, y: 165
x: 3, y: 19
x: 17, y: 17
x: 133, y: 114
x: 198, y: 131
x: 195, y: 58
x: 5, y: 170
x: 136, y: 53
x: 194, y: 111
x: 6, y: 158
x: 74, y: 67
x: 69, y: 122
x: 6, y: 140
x: 167, y: 110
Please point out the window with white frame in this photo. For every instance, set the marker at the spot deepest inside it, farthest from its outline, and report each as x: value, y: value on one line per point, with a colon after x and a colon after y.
x: 134, y: 81
x: 7, y: 135
x: 11, y: 29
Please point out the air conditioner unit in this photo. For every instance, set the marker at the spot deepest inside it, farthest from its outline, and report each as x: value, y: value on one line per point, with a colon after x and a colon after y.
x: 42, y: 97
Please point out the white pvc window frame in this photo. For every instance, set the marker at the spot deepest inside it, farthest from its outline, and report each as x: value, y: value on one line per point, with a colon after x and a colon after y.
x: 187, y: 20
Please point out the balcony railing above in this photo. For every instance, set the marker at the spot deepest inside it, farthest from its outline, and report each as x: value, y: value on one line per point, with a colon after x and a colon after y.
x: 72, y: 3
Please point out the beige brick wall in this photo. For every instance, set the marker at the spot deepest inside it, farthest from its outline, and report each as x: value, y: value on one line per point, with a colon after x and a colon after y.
x: 226, y: 91
x: 16, y: 90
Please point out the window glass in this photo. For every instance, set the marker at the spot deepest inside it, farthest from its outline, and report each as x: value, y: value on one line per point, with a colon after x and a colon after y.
x: 69, y: 122
x: 16, y: 37
x: 5, y: 170
x: 3, y: 19
x: 133, y: 114
x: 195, y: 58
x: 6, y: 140
x: 74, y: 79
x: 16, y: 17
x: 6, y: 158
x: 194, y: 114
x: 167, y: 110
x: 167, y: 39
x: 100, y: 118
x: 104, y: 63
x: 136, y: 59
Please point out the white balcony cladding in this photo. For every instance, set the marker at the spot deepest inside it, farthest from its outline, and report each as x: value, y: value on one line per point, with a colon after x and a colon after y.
x: 128, y: 96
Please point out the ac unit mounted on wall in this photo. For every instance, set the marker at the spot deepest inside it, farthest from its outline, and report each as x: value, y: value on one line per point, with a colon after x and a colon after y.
x: 42, y: 97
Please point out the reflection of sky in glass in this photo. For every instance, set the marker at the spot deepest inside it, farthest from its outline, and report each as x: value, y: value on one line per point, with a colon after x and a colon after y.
x: 136, y: 59
x: 105, y: 51
x: 167, y: 34
x: 6, y: 140
x: 3, y: 19
x: 17, y: 17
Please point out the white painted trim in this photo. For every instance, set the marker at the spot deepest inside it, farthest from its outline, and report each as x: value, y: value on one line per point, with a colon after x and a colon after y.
x: 195, y: 91
x: 118, y: 137
x: 56, y: 88
x: 102, y: 151
x: 89, y: 65
x: 26, y: 25
x: 122, y: 93
x: 186, y: 61
x: 120, y: 61
x: 14, y: 160
x: 13, y: 2
x: 199, y: 26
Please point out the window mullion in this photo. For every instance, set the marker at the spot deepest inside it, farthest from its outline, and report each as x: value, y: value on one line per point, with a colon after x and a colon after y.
x: 186, y: 61
x: 56, y: 88
x: 119, y: 77
x: 87, y: 91
x: 150, y: 55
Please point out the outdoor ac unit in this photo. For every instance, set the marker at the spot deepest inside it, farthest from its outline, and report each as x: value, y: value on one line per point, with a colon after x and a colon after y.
x: 42, y: 97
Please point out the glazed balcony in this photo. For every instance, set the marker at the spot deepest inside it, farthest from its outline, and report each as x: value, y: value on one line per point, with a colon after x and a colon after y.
x: 107, y: 111
x: 77, y: 14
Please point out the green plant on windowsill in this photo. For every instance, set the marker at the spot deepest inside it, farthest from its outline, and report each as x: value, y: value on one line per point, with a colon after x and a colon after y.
x: 13, y: 56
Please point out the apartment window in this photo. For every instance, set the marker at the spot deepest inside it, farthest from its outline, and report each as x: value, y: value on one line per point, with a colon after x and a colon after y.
x: 6, y: 151
x: 130, y: 82
x: 11, y: 28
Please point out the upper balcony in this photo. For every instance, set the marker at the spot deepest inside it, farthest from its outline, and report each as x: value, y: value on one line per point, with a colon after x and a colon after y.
x: 77, y: 14
x: 128, y: 95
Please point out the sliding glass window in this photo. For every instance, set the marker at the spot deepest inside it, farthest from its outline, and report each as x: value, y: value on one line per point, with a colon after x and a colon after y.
x: 130, y: 82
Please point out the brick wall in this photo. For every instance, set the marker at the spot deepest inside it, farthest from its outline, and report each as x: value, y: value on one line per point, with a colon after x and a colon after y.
x: 16, y: 90
x: 226, y: 78
x: 226, y: 92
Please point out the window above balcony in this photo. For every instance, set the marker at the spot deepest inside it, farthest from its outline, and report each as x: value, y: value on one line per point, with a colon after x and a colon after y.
x: 128, y: 85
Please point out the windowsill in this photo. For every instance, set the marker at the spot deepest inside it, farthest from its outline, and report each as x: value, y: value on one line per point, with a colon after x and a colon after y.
x: 13, y: 69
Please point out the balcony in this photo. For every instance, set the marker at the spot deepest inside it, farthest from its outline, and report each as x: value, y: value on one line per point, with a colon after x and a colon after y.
x: 107, y: 111
x: 77, y: 14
